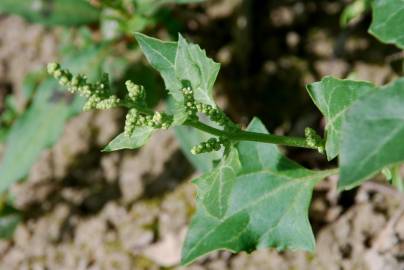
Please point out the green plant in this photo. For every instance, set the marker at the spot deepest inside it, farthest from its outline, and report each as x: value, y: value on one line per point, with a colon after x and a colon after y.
x: 254, y: 197
x: 250, y: 195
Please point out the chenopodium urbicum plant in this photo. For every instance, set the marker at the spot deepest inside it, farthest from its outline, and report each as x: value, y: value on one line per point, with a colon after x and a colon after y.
x: 254, y: 197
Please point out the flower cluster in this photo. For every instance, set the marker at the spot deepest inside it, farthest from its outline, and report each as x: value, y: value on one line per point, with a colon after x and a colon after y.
x: 98, y: 94
x: 138, y: 118
x: 136, y: 92
x: 213, y: 144
x: 189, y: 103
x: 193, y: 107
x: 314, y: 140
x: 134, y: 119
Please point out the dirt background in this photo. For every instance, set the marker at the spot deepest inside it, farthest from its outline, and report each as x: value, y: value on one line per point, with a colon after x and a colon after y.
x: 84, y: 209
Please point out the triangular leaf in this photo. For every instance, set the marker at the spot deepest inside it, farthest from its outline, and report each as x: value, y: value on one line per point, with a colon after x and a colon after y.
x: 181, y: 63
x: 372, y: 135
x: 333, y: 97
x: 194, y: 66
x: 262, y: 203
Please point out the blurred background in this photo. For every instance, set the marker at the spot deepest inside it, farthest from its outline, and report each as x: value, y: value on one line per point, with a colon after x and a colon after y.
x: 79, y: 208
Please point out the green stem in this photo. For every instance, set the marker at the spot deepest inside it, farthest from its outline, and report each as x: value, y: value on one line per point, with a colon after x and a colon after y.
x: 397, y: 179
x: 241, y: 135
x: 238, y: 135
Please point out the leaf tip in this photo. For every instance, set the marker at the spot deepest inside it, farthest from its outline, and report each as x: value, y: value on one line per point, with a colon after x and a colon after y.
x: 106, y: 149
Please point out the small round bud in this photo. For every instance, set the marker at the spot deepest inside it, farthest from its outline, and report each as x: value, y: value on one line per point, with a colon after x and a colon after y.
x: 213, y: 144
x: 165, y: 126
x: 57, y: 73
x: 52, y: 67
x: 64, y: 80
x: 75, y: 80
x: 157, y: 117
x: 91, y: 103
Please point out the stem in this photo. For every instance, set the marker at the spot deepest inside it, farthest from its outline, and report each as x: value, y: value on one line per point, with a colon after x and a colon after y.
x: 252, y: 136
x: 238, y: 135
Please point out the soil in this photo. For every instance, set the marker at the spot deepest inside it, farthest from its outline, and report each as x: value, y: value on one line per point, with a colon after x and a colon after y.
x: 84, y: 209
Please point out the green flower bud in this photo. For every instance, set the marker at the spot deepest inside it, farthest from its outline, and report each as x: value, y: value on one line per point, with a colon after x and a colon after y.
x: 91, y: 103
x: 75, y: 80
x: 314, y: 140
x: 213, y: 144
x: 85, y: 90
x: 157, y: 117
x: 108, y: 103
x: 64, y: 80
x: 131, y: 121
x: 52, y: 67
x: 57, y: 74
x: 187, y: 91
x: 136, y: 92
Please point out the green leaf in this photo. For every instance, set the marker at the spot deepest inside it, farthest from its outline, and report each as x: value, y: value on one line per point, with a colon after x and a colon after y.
x: 192, y: 65
x: 179, y: 63
x: 388, y: 20
x: 138, y: 138
x: 161, y: 55
x: 372, y: 135
x: 254, y: 198
x: 333, y: 97
x: 41, y: 125
x: 56, y: 12
x: 38, y: 128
